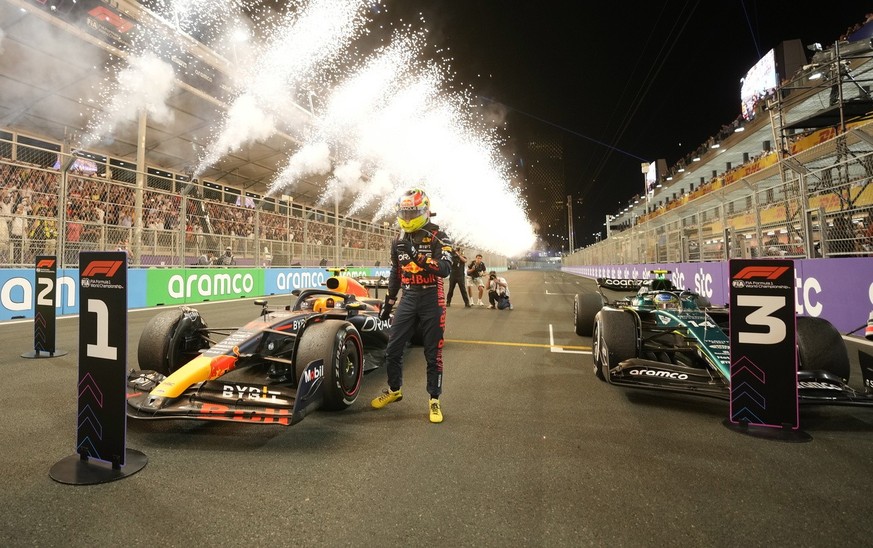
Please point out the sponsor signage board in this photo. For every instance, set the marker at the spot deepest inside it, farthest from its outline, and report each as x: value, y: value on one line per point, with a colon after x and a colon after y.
x: 763, y: 348
x: 166, y: 286
x: 839, y: 290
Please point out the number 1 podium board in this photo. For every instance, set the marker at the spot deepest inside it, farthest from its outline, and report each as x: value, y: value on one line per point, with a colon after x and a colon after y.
x: 101, y: 423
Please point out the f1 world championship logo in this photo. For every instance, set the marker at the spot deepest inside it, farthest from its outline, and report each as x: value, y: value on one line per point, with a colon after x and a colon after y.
x: 105, y: 268
x: 102, y: 13
x: 763, y: 272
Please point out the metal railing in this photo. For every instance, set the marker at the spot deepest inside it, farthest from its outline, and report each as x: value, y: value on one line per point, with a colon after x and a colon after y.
x: 817, y: 203
x: 98, y: 205
x: 45, y: 210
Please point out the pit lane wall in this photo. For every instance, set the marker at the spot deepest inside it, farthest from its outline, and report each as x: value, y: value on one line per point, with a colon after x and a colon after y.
x: 839, y: 290
x: 149, y: 287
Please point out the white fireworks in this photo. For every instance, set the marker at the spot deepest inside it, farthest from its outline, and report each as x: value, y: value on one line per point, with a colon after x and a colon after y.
x: 376, y: 122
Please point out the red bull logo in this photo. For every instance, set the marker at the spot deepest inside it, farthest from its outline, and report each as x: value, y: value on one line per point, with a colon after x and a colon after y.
x: 411, y: 268
x: 221, y: 365
x: 418, y: 279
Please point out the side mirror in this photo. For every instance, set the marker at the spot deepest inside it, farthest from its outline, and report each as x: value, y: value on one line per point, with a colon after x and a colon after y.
x: 261, y: 302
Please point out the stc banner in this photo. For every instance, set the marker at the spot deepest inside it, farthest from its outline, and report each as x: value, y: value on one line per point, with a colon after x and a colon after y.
x: 839, y: 290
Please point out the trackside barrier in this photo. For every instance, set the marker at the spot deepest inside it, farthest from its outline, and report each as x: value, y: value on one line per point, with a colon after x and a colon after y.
x: 838, y: 290
x: 167, y: 286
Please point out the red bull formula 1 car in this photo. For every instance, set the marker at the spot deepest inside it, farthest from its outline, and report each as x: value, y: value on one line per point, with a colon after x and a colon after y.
x: 274, y: 370
x: 650, y: 334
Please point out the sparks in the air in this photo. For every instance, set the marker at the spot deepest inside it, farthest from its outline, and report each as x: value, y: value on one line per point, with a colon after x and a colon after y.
x: 368, y: 121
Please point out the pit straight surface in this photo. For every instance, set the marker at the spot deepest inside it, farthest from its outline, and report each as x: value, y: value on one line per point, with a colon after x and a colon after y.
x: 534, y: 451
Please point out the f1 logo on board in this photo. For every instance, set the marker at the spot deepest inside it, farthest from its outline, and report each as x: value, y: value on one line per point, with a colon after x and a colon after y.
x: 45, y: 263
x: 766, y: 272
x: 107, y: 268
x: 105, y: 14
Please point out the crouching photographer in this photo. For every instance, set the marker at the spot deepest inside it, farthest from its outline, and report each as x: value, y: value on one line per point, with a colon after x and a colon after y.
x: 498, y: 292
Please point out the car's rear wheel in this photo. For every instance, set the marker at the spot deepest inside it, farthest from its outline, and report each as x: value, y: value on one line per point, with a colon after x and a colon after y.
x: 339, y: 344
x: 585, y: 307
x: 615, y: 340
x: 169, y: 340
x: 820, y: 347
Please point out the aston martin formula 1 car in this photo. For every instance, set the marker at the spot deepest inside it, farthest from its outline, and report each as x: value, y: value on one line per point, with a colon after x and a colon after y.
x: 274, y: 370
x: 650, y: 334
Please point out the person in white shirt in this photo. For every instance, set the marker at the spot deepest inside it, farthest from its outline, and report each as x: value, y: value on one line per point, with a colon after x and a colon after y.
x: 17, y: 231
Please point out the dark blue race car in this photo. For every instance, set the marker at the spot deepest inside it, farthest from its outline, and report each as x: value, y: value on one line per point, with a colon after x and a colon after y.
x: 277, y: 368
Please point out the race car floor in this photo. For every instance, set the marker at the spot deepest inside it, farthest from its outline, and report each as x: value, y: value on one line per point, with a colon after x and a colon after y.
x: 534, y: 451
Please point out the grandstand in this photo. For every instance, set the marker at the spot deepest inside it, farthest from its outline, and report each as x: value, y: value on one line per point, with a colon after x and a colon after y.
x: 98, y: 204
x: 795, y: 180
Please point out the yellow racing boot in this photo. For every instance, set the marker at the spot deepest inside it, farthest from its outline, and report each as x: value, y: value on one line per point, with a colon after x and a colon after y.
x: 387, y: 396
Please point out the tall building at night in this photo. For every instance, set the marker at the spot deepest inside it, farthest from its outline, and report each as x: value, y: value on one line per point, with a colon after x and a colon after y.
x: 542, y: 156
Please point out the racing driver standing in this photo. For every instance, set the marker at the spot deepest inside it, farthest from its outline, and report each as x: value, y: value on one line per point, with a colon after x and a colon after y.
x: 420, y: 258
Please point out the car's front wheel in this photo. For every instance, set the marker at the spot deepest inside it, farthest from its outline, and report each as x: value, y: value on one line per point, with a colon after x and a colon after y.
x: 615, y: 340
x: 820, y: 347
x: 170, y: 339
x: 339, y: 344
x: 585, y: 307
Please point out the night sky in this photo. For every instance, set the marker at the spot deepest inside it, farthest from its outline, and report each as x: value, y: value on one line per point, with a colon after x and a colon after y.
x: 623, y: 83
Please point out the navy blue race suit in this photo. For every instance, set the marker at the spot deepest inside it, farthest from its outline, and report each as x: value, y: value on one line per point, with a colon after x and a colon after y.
x: 419, y: 262
x: 456, y: 278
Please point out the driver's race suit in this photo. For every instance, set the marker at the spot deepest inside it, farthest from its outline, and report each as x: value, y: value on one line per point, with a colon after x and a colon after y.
x: 420, y: 274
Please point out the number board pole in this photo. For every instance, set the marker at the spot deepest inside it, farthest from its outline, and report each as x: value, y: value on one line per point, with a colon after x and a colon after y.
x: 101, y: 424
x: 763, y: 347
x: 44, y: 309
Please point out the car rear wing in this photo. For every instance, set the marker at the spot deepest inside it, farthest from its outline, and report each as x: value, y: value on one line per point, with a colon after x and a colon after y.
x: 618, y: 289
x: 624, y: 285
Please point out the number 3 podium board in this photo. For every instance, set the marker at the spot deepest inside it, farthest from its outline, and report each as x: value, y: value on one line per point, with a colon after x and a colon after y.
x: 763, y: 347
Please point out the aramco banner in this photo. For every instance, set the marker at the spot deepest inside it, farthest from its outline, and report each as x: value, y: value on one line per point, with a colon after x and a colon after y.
x: 167, y: 286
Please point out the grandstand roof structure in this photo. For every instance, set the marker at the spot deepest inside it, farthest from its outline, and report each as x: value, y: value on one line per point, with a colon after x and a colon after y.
x: 49, y: 88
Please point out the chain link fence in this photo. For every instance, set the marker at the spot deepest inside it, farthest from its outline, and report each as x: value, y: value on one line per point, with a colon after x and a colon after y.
x: 53, y: 204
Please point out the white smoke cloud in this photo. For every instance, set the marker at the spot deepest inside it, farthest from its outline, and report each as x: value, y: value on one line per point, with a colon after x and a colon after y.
x: 311, y: 159
x: 143, y: 85
x: 245, y: 122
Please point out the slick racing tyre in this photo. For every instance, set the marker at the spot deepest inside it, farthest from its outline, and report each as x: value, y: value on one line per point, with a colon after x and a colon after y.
x: 615, y: 340
x: 170, y: 339
x: 820, y: 347
x: 585, y: 307
x: 339, y: 344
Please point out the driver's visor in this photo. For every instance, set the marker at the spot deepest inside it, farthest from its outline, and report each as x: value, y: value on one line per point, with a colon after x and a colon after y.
x: 410, y: 213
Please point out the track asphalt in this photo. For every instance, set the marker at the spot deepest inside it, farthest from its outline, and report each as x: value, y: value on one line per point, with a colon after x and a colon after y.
x: 534, y: 451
